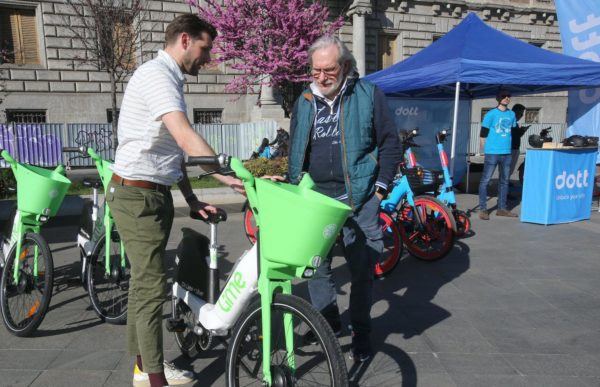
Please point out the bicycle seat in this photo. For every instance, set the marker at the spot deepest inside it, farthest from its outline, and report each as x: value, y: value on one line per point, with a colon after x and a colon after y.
x: 220, y: 216
x: 93, y: 183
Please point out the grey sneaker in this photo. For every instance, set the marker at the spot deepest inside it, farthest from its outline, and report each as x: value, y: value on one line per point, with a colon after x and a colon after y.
x: 174, y: 376
x: 484, y: 215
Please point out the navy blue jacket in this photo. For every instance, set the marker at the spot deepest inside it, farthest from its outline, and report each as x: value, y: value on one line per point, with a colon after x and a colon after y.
x: 369, y: 145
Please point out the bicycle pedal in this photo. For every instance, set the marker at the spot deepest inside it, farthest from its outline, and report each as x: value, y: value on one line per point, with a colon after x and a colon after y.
x: 173, y: 325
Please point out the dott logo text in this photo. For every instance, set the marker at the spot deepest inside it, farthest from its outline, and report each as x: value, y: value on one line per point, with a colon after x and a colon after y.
x: 572, y: 180
x: 407, y: 111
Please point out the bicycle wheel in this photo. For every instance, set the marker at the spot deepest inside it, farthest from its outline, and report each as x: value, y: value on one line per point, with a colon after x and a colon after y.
x: 187, y: 341
x: 24, y: 305
x: 432, y: 239
x: 108, y: 291
x: 249, y: 224
x: 463, y: 223
x: 392, y: 246
x: 321, y: 363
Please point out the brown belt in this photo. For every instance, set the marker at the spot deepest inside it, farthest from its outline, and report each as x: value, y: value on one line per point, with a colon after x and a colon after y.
x: 138, y: 183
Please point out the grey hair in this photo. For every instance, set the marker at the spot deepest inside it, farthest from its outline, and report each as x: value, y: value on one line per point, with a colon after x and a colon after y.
x: 330, y: 40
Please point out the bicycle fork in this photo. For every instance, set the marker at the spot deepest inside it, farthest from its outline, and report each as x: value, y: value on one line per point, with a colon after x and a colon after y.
x: 16, y: 239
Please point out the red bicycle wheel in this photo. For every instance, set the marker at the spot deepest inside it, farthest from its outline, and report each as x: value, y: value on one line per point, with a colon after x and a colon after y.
x: 392, y: 246
x: 432, y: 239
x: 463, y: 223
x: 249, y: 224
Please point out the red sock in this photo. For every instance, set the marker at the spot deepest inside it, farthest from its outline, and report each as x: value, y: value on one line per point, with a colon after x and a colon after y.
x: 138, y: 360
x: 158, y: 379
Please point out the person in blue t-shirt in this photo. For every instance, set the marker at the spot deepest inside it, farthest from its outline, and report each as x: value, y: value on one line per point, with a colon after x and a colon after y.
x: 495, y: 142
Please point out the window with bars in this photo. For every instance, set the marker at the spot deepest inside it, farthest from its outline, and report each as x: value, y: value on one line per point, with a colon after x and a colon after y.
x: 484, y: 112
x: 18, y: 36
x: 532, y: 115
x: 23, y: 116
x: 206, y: 116
x: 109, y: 115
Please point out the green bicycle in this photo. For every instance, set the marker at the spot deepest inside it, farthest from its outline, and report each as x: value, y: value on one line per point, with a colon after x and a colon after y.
x: 267, y: 325
x: 27, y: 275
x: 105, y: 270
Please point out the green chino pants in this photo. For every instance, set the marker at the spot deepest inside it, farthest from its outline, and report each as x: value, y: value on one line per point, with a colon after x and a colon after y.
x: 144, y: 218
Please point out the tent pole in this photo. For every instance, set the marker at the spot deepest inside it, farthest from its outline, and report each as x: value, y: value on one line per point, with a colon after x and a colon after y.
x: 454, y: 124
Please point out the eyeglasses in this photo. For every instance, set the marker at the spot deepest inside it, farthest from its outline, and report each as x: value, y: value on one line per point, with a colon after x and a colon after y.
x: 505, y: 96
x: 329, y: 72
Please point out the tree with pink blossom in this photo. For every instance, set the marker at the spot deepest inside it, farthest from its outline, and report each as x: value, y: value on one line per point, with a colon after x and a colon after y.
x: 266, y: 40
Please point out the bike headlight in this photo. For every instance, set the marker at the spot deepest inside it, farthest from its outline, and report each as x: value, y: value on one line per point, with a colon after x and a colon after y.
x: 308, y: 272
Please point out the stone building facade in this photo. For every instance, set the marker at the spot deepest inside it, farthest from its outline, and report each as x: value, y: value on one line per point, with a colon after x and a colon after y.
x: 380, y: 33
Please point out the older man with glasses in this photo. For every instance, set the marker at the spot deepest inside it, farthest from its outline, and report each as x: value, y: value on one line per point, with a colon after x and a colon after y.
x: 495, y: 143
x: 343, y: 134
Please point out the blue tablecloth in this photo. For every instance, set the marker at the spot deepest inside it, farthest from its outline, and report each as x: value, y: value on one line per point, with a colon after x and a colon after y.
x: 558, y: 185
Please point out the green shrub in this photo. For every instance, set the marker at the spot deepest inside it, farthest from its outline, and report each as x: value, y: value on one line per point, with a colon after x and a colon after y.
x: 7, y: 179
x: 261, y: 166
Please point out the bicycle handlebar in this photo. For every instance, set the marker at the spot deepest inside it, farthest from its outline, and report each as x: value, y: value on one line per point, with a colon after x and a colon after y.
x: 221, y: 160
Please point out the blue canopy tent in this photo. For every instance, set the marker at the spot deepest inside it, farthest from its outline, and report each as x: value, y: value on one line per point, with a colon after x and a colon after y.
x: 473, y: 60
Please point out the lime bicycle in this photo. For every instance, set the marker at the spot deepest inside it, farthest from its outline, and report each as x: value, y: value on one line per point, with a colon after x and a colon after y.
x: 255, y: 307
x: 27, y: 275
x: 105, y: 270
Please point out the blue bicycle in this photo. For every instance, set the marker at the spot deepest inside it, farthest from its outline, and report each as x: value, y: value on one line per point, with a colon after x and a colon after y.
x: 425, y: 225
x: 446, y: 192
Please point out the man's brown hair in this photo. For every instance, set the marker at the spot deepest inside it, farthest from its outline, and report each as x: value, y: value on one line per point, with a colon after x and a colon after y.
x: 190, y: 24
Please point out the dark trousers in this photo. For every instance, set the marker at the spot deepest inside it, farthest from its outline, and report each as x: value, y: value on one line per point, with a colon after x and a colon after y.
x: 363, y: 244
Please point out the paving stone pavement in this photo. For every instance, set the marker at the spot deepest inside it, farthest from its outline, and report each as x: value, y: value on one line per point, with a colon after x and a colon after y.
x: 513, y: 304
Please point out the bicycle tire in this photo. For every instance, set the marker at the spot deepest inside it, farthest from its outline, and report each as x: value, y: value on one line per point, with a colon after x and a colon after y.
x: 24, y: 306
x: 392, y: 246
x: 246, y: 344
x: 187, y: 341
x: 108, y: 293
x: 463, y: 223
x: 249, y: 224
x: 436, y: 237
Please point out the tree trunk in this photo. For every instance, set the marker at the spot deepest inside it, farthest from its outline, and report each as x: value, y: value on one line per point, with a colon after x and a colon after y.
x: 113, y: 95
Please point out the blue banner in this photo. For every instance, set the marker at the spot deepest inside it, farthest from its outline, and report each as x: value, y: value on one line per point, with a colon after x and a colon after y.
x: 431, y: 116
x: 579, y: 23
x: 558, y: 185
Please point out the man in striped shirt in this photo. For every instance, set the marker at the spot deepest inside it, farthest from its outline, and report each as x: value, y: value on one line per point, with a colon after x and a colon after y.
x: 154, y: 133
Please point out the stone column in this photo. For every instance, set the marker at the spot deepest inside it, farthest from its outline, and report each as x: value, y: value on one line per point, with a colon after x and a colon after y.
x: 267, y: 96
x: 269, y: 108
x: 359, y: 10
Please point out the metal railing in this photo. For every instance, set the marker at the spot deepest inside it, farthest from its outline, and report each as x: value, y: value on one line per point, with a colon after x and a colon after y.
x: 41, y: 144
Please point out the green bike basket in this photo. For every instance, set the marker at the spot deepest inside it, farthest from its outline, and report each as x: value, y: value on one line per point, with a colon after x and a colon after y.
x: 40, y: 191
x: 297, y: 225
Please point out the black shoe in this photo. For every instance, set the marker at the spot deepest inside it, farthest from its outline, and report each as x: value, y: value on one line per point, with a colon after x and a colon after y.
x: 361, y: 347
x: 360, y: 354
